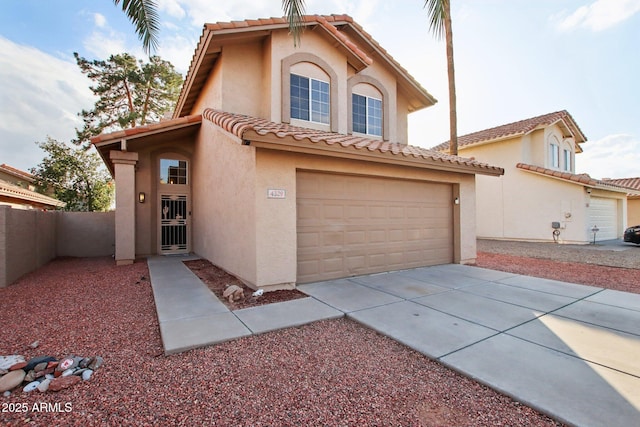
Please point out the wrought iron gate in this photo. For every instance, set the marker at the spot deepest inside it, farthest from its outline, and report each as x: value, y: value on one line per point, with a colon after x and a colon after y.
x: 173, y: 223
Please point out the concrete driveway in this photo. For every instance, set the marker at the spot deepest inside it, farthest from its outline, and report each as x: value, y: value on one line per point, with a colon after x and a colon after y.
x: 568, y: 350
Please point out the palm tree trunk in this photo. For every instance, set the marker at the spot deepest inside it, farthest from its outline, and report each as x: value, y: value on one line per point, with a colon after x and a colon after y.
x: 453, y: 115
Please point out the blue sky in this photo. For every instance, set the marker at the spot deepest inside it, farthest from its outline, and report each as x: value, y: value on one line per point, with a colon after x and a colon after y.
x: 514, y: 59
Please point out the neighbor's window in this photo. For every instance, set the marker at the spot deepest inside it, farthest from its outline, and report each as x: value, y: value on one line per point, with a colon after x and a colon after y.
x: 567, y: 160
x: 173, y: 171
x: 309, y: 99
x: 555, y: 156
x: 367, y: 115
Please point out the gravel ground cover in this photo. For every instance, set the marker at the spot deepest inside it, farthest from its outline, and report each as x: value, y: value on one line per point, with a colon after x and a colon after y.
x: 587, y: 265
x: 331, y: 373
x: 217, y: 281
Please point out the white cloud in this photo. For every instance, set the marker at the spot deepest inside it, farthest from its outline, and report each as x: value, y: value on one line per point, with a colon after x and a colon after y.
x: 103, y: 44
x: 599, y: 15
x: 172, y: 8
x: 99, y: 20
x: 39, y: 95
x: 614, y: 156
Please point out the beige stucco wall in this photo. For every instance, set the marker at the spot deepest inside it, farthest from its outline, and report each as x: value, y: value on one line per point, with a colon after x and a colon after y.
x: 27, y: 242
x: 85, y: 234
x: 224, y: 202
x: 633, y: 211
x: 276, y: 218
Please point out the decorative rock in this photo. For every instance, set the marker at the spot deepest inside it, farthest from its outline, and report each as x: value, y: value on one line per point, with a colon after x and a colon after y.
x: 17, y: 366
x: 31, y: 386
x: 8, y: 361
x: 86, y: 375
x: 43, y: 373
x: 49, y: 376
x: 41, y: 366
x: 61, y: 383
x: 233, y: 293
x: 31, y: 376
x: 31, y: 365
x: 68, y: 372
x: 34, y: 344
x: 85, y: 362
x: 96, y: 363
x: 44, y: 385
x: 65, y: 364
x: 79, y: 371
x: 11, y: 380
x: 53, y: 364
x: 6, y: 394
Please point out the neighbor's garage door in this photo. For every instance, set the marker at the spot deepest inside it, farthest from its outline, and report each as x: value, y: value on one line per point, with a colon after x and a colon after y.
x: 351, y: 225
x: 603, y: 213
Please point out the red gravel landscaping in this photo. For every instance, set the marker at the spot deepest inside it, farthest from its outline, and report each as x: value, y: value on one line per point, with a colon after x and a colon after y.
x: 617, y: 278
x: 329, y: 373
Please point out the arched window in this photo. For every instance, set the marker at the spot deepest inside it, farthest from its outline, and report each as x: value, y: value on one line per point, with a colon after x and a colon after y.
x: 554, y: 152
x: 309, y: 91
x: 368, y: 107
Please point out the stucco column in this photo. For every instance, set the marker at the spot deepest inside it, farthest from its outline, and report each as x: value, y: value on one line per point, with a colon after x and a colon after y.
x: 124, y: 164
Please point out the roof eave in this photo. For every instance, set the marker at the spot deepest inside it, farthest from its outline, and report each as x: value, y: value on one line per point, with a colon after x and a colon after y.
x: 306, y: 146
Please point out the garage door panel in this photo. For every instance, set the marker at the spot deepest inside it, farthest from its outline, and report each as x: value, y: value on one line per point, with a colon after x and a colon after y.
x: 603, y: 213
x: 366, y: 225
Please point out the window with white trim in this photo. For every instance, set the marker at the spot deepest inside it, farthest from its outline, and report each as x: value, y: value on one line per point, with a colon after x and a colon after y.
x: 310, y: 99
x: 554, y: 155
x: 567, y: 160
x: 366, y: 115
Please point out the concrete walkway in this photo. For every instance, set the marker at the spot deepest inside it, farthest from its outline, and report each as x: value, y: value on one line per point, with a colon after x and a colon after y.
x: 191, y: 316
x: 570, y: 351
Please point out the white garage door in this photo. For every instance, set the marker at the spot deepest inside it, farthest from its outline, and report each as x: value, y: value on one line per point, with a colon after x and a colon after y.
x: 603, y: 213
x: 351, y: 225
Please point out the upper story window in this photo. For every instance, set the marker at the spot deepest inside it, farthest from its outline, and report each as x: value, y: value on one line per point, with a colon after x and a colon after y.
x: 567, y: 160
x: 173, y: 171
x: 554, y: 155
x: 367, y: 115
x: 310, y: 99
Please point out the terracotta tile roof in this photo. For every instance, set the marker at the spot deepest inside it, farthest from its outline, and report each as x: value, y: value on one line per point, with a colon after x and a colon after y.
x: 582, y: 178
x: 521, y: 127
x: 342, y: 28
x: 17, y: 194
x: 633, y: 183
x: 243, y: 126
x: 323, y: 20
x: 146, y: 129
x: 16, y: 172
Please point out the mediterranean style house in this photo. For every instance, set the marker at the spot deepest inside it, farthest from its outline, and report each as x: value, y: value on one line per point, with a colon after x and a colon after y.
x: 540, y: 197
x: 288, y: 164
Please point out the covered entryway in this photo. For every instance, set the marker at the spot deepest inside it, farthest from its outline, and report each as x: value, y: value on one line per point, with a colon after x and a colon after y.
x: 603, y: 213
x: 351, y: 225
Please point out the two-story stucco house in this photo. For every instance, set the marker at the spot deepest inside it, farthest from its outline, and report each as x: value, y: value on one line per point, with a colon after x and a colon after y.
x: 540, y: 192
x: 286, y: 164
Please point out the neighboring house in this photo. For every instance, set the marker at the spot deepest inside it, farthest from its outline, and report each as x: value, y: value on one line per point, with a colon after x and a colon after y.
x: 540, y: 189
x: 633, y: 199
x: 286, y: 165
x: 18, y: 191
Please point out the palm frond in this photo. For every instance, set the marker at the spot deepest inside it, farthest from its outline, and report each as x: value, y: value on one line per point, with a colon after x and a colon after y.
x: 436, y: 15
x: 144, y: 15
x: 294, y: 11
